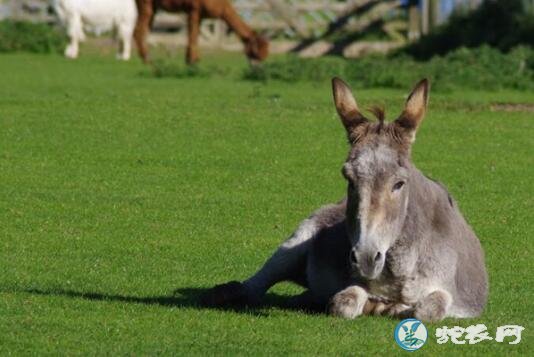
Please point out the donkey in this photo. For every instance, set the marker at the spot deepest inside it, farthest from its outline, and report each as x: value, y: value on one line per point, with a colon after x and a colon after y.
x: 397, y: 245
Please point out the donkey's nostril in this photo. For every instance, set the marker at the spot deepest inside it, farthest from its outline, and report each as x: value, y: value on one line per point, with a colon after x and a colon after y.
x: 353, y: 259
x: 378, y: 257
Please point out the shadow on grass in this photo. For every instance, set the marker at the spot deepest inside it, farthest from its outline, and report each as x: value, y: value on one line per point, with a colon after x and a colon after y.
x: 181, y: 298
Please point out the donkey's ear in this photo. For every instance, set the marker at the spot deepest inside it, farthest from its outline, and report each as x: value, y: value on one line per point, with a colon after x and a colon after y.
x: 415, y: 109
x: 346, y: 105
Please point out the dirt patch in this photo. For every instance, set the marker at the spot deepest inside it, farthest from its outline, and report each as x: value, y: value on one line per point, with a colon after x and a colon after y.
x: 512, y: 107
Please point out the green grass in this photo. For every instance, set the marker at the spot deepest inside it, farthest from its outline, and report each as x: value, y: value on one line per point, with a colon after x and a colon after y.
x: 118, y: 188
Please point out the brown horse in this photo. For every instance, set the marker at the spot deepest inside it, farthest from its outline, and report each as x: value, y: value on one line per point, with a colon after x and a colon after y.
x: 256, y: 47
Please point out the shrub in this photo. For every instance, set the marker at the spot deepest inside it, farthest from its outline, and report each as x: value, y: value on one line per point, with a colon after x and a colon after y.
x: 480, y: 68
x: 30, y: 37
x: 503, y: 24
x: 292, y: 68
x: 172, y: 67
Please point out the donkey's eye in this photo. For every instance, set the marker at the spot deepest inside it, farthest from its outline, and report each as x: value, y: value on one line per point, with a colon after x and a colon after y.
x: 397, y: 186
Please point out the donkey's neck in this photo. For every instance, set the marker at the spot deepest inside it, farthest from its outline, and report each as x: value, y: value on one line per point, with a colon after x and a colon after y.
x: 429, y: 205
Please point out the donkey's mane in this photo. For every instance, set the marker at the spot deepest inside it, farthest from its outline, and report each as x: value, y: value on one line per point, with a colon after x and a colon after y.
x: 379, y: 112
x: 381, y: 127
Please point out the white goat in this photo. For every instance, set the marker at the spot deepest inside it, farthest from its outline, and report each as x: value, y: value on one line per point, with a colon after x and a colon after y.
x: 97, y: 16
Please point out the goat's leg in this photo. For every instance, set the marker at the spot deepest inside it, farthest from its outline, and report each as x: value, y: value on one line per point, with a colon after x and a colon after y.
x: 125, y: 40
x: 75, y: 34
x: 193, y: 32
x: 287, y: 263
x: 71, y: 51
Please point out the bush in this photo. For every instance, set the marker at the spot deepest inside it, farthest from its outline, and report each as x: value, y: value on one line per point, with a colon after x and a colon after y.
x: 172, y: 67
x: 480, y: 68
x: 293, y: 68
x: 30, y: 37
x: 503, y: 24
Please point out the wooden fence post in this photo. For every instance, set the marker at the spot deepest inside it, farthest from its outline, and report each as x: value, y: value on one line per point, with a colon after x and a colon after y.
x: 290, y: 16
x: 434, y: 9
x: 15, y: 9
x: 424, y: 17
x: 414, y: 23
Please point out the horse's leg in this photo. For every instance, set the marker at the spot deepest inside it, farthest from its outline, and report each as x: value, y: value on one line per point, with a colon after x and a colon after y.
x: 287, y: 263
x: 433, y: 307
x: 142, y: 27
x: 193, y: 31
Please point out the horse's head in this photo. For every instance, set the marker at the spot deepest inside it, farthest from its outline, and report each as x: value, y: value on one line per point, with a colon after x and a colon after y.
x: 256, y: 48
x: 377, y: 171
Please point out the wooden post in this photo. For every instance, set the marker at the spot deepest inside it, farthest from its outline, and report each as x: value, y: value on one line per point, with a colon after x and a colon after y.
x: 220, y: 32
x: 377, y: 12
x: 414, y: 23
x: 290, y: 16
x: 424, y: 17
x: 473, y: 4
x: 15, y: 10
x: 434, y: 9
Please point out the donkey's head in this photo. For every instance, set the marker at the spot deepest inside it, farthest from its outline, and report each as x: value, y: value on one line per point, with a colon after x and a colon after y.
x: 377, y: 170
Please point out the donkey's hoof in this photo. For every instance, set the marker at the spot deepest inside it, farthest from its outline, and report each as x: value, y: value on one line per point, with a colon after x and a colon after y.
x: 430, y: 313
x: 400, y: 310
x: 231, y: 293
x: 433, y: 307
x: 348, y: 303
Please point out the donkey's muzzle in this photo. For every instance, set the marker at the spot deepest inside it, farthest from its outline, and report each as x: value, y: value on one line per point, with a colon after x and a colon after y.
x: 368, y: 264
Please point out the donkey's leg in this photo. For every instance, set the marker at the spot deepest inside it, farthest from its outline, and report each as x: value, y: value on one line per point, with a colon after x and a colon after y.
x: 376, y: 307
x: 396, y: 310
x: 307, y: 301
x: 433, y: 307
x: 287, y: 263
x: 349, y: 303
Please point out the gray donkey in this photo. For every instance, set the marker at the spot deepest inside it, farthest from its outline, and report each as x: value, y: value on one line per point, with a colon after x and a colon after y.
x: 397, y: 245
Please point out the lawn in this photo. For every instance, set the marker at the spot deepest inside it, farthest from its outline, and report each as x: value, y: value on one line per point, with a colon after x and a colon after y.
x: 123, y: 196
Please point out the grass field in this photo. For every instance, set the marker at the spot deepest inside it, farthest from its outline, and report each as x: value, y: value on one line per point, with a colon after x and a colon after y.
x: 123, y: 196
